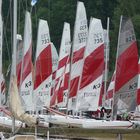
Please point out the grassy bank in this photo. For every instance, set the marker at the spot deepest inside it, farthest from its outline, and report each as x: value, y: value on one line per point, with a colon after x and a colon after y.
x: 94, y: 134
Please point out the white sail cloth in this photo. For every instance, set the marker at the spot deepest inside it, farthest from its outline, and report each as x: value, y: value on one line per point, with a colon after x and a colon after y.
x: 16, y: 107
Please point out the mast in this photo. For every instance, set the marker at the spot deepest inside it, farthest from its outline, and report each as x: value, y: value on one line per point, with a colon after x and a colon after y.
x: 13, y: 70
x: 14, y: 39
x: 106, y: 61
x: 112, y: 117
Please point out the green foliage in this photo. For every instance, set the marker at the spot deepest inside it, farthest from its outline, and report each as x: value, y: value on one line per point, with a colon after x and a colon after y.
x: 56, y: 12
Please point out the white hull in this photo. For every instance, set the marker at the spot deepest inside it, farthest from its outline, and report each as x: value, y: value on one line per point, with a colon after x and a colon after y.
x: 87, y: 123
x: 7, y: 122
x: 103, y: 124
x: 63, y: 120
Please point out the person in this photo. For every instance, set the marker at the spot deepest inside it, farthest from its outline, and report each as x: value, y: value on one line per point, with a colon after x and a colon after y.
x: 125, y: 116
x: 103, y: 113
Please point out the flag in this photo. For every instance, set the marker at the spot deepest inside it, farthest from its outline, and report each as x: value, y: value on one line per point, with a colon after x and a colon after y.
x: 33, y: 2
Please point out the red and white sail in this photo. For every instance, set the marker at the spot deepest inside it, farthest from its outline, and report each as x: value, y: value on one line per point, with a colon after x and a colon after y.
x: 92, y: 75
x: 43, y: 67
x: 78, y: 48
x: 138, y: 88
x: 19, y: 58
x: 26, y: 83
x: 54, y: 66
x: 126, y: 69
x: 62, y: 74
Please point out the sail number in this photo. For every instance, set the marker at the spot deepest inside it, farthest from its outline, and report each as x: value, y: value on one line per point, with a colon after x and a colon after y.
x: 89, y: 94
x: 133, y: 86
x: 24, y: 93
x: 83, y: 27
x: 97, y: 86
x: 130, y: 38
x: 43, y: 93
x: 82, y: 37
x: 48, y: 85
x: 45, y: 39
x: 98, y: 38
x: 28, y: 84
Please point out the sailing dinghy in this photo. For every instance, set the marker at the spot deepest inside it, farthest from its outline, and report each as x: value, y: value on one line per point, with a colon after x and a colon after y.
x: 43, y: 67
x: 126, y: 77
x: 62, y: 73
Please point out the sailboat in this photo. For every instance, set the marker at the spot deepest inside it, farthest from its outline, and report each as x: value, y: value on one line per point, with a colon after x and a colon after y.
x: 63, y: 70
x: 15, y: 104
x: 116, y: 124
x: 5, y: 118
x: 26, y: 82
x: 43, y: 67
x: 26, y: 86
x: 78, y: 48
x: 88, y: 95
x: 126, y: 77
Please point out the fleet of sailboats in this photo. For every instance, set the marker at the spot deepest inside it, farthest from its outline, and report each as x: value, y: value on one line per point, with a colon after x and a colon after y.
x: 75, y: 79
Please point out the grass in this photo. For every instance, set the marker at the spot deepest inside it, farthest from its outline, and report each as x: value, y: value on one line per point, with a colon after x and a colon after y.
x: 83, y: 133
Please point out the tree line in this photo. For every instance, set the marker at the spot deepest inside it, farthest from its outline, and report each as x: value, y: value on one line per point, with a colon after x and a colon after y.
x: 56, y: 12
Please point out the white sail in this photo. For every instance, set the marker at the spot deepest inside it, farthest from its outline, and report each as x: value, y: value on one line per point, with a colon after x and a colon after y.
x: 79, y: 44
x: 16, y: 106
x: 126, y: 68
x: 63, y: 68
x: 91, y: 80
x: 26, y: 83
x: 43, y: 67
